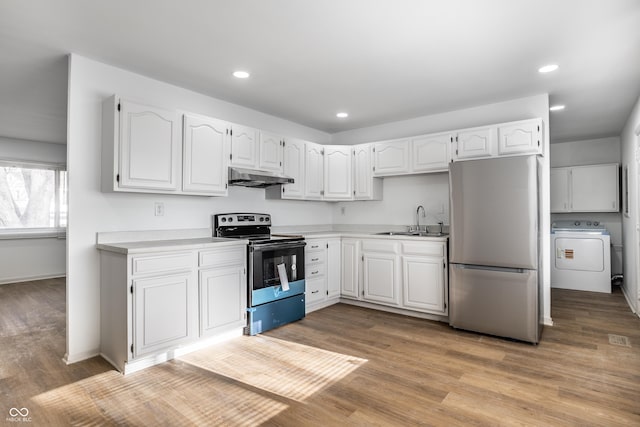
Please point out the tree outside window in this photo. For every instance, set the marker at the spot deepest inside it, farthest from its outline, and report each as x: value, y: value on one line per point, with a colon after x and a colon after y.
x: 32, y: 196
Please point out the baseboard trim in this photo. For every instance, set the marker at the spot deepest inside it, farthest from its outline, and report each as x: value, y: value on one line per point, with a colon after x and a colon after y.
x: 75, y: 358
x: 404, y: 312
x: 631, y: 306
x: 5, y: 281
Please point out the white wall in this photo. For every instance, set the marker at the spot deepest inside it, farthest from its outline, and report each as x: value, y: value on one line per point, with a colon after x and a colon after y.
x: 630, y: 140
x: 593, y: 152
x: 31, y: 259
x: 403, y: 194
x: 91, y: 211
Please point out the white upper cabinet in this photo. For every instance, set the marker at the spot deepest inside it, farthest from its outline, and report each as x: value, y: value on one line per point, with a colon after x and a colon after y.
x: 270, y: 152
x: 559, y: 182
x: 431, y: 153
x: 592, y: 188
x: 205, y: 155
x: 365, y: 186
x: 293, y: 166
x: 337, y: 172
x: 475, y: 143
x: 314, y: 171
x: 244, y: 146
x: 520, y: 137
x: 391, y: 157
x: 149, y: 147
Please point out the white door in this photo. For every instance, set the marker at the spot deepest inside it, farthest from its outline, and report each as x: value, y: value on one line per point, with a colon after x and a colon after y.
x: 333, y: 268
x: 431, y: 153
x: 350, y: 267
x: 223, y: 298
x: 423, y: 283
x: 270, y: 152
x: 314, y: 171
x: 293, y: 166
x: 163, y: 307
x: 473, y: 143
x: 381, y: 277
x: 391, y: 158
x: 205, y: 155
x: 560, y: 197
x: 520, y: 137
x: 149, y: 147
x: 337, y: 173
x: 244, y: 146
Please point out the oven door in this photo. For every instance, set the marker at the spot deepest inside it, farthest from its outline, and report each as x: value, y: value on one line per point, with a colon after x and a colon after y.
x: 264, y: 278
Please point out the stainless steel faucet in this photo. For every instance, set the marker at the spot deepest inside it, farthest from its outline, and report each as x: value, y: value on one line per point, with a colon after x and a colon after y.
x: 424, y: 214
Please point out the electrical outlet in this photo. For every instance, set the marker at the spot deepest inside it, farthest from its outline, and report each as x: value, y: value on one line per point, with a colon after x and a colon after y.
x: 159, y: 209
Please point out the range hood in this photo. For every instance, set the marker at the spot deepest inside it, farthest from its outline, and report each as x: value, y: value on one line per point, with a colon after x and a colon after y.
x: 255, y: 178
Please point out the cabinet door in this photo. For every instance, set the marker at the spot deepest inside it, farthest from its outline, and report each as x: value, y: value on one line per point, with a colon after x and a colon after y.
x: 424, y: 283
x: 223, y: 299
x: 594, y: 188
x: 244, y: 146
x: 520, y: 138
x: 381, y: 277
x: 314, y: 171
x: 391, y: 158
x: 293, y: 166
x: 350, y: 269
x: 333, y: 268
x: 149, y: 147
x: 431, y: 153
x: 270, y: 152
x: 205, y: 155
x: 474, y: 143
x: 337, y: 173
x: 164, y: 309
x: 559, y: 180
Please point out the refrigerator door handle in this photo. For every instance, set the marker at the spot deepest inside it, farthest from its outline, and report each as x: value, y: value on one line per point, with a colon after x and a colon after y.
x: 487, y: 268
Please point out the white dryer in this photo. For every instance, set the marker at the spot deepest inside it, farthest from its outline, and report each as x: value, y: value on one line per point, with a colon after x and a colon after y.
x: 581, y: 256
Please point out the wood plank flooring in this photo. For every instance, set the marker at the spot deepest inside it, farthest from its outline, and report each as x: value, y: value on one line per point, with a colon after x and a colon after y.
x: 342, y: 365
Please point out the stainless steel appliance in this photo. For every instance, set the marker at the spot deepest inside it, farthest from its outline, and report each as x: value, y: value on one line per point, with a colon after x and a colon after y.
x: 494, y: 242
x: 275, y: 264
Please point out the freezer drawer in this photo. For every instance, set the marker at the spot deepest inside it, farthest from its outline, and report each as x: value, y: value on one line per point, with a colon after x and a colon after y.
x: 502, y: 302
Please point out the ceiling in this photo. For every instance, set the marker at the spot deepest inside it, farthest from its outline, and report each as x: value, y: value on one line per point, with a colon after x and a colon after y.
x: 381, y: 61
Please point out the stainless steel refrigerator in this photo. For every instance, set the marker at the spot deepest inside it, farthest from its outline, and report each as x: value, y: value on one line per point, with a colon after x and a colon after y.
x: 494, y: 247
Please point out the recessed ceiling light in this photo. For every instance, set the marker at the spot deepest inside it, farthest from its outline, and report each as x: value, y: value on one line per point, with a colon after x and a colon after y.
x: 342, y: 115
x: 241, y: 74
x: 548, y: 68
x: 556, y: 108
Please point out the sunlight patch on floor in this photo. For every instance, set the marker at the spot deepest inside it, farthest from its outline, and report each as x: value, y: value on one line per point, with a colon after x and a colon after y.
x: 288, y: 369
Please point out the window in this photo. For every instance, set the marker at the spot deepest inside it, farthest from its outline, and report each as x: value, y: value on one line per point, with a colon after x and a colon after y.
x: 32, y: 197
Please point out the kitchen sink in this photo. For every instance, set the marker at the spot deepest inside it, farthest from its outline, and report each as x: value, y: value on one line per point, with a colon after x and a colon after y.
x: 411, y: 233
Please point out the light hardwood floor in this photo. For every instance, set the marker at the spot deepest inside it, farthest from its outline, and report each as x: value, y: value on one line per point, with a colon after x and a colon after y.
x: 343, y: 365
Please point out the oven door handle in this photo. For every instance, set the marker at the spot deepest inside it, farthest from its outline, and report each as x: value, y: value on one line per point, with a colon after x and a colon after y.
x: 278, y: 245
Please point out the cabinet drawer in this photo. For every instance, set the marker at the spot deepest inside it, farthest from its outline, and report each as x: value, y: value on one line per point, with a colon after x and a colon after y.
x: 380, y: 246
x: 311, y: 258
x: 315, y: 290
x: 222, y: 257
x: 423, y: 248
x: 162, y: 263
x: 314, y: 270
x: 315, y: 245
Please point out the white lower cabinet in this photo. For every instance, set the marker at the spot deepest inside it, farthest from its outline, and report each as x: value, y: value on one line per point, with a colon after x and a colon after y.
x: 381, y: 271
x: 322, y: 267
x: 152, y: 303
x: 163, y: 312
x: 406, y: 274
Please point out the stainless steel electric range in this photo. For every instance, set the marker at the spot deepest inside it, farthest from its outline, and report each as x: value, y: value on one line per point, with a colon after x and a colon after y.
x: 276, y: 270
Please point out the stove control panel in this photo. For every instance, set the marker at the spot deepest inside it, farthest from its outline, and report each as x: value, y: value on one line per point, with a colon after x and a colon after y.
x: 242, y: 219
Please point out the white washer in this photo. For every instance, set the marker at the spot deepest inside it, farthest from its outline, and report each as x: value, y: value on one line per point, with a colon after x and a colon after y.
x: 581, y: 256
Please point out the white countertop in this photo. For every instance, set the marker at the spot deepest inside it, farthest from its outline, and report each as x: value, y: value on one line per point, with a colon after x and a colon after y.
x: 169, y: 245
